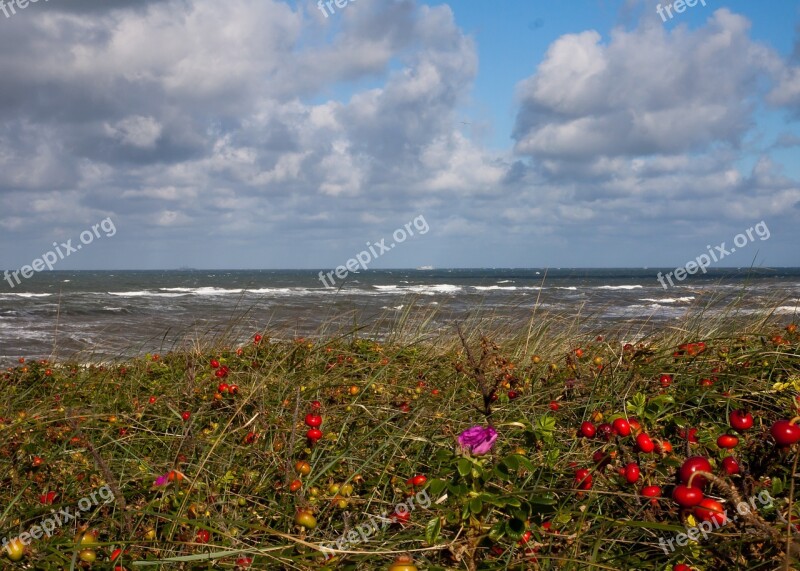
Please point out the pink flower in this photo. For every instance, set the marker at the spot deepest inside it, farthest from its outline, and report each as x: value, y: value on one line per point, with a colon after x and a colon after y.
x: 161, y: 480
x: 478, y: 440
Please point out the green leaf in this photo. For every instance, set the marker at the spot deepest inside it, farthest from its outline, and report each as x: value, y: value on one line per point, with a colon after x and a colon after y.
x: 512, y: 462
x: 497, y: 531
x: 502, y: 472
x: 545, y: 424
x: 464, y: 467
x: 432, y: 530
x: 475, y: 506
x: 637, y: 404
x: 458, y: 490
x: 443, y: 455
x: 436, y: 487
x: 543, y: 500
x: 526, y: 463
x: 777, y: 486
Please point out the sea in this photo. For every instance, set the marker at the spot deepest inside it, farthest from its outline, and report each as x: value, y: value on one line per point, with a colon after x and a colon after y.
x: 105, y: 315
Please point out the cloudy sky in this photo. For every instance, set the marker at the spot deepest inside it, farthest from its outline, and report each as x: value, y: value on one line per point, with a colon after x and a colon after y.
x: 268, y: 134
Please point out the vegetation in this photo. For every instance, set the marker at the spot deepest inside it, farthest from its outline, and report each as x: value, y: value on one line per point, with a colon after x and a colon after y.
x: 263, y: 456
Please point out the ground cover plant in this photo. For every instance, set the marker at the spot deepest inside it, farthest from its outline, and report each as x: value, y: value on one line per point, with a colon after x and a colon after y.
x: 474, y: 448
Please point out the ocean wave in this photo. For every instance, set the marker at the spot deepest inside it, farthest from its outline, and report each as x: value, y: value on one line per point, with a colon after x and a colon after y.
x: 144, y: 293
x: 620, y: 287
x: 569, y: 288
x: 432, y: 289
x: 27, y: 295
x: 684, y: 299
x: 202, y: 290
x: 788, y: 309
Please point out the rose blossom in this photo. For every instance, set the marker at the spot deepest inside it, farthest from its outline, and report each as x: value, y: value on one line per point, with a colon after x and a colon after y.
x: 478, y: 440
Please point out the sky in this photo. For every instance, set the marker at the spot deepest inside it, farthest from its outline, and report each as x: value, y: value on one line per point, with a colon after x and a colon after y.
x: 266, y: 134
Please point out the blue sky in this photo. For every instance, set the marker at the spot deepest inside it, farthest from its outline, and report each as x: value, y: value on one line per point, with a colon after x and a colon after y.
x: 263, y: 134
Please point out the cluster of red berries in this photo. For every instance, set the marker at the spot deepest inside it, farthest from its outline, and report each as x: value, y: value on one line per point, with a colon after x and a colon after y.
x: 314, y: 421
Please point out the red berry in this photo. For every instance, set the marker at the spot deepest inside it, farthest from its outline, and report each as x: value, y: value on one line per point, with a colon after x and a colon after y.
x: 731, y: 465
x: 622, y: 427
x: 419, y: 480
x: 222, y: 388
x: 681, y: 567
x: 727, y: 441
x: 313, y: 420
x: 316, y: 405
x: 687, y: 497
x: 645, y: 443
x: 554, y: 405
x: 651, y: 492
x: 692, y: 465
x: 152, y: 400
x: 785, y: 433
x: 605, y: 430
x: 314, y: 434
x: 214, y: 364
x: 665, y: 380
x: 186, y: 415
x: 632, y: 472
x: 587, y: 429
x: 401, y: 517
x: 741, y: 420
x: 203, y: 536
x: 710, y: 510
x: 583, y: 479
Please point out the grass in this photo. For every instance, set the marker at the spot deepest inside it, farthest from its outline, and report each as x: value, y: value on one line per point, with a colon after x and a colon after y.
x: 391, y: 410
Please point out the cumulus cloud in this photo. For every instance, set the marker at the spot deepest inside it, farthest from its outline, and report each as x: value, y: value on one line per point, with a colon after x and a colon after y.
x: 645, y: 91
x: 288, y: 139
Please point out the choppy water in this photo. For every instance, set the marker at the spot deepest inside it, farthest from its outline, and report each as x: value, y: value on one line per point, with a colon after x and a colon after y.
x: 110, y: 313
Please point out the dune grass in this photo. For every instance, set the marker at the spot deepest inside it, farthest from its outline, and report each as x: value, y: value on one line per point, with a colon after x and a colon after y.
x: 393, y: 409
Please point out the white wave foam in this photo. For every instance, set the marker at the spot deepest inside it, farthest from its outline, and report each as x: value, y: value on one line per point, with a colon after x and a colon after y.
x: 26, y: 295
x: 788, y: 309
x: 203, y: 290
x: 684, y: 299
x: 144, y: 293
x: 620, y: 287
